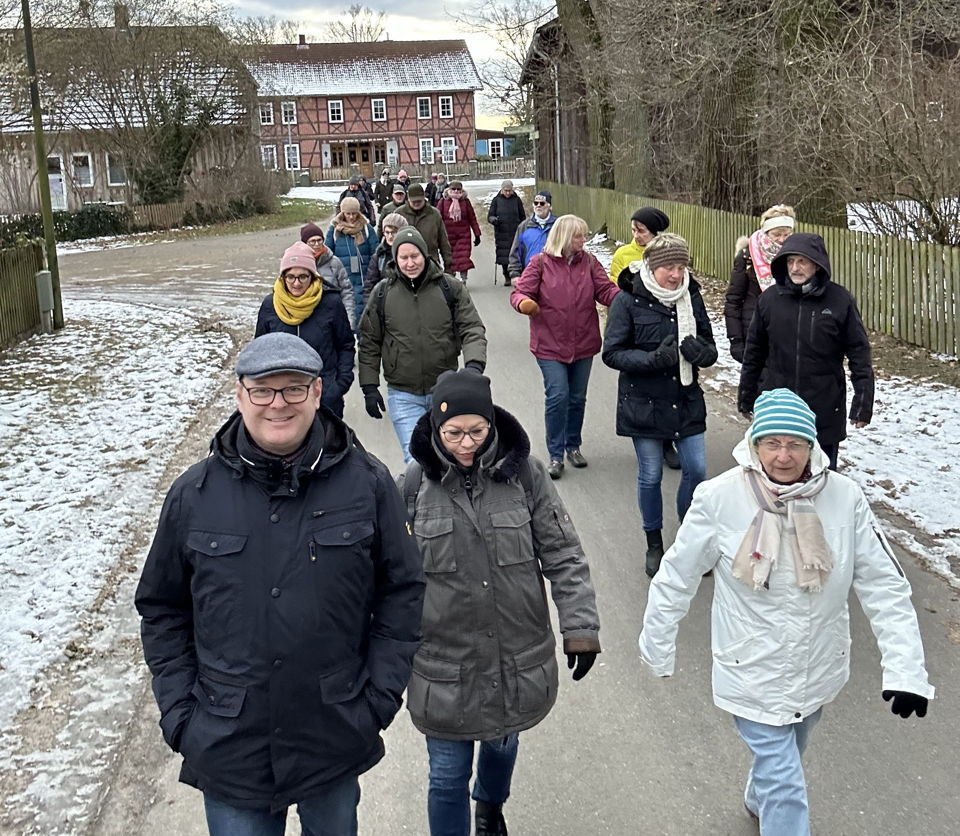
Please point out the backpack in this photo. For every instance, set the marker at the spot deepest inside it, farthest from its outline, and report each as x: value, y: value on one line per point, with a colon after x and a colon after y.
x: 413, y: 478
x: 448, y: 295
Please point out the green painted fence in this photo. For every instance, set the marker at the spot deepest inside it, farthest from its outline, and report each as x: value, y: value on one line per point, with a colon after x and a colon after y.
x: 19, y: 308
x: 906, y: 289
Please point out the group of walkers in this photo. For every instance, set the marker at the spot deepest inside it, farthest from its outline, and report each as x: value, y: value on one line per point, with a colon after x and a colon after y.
x: 294, y: 590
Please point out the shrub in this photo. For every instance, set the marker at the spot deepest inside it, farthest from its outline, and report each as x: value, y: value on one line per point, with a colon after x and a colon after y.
x: 91, y: 221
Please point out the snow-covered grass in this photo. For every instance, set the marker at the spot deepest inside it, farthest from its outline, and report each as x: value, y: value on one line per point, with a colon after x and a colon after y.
x: 907, y: 459
x: 89, y: 417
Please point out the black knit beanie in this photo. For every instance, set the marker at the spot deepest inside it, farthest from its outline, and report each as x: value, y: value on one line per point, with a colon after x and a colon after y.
x: 653, y: 219
x: 464, y: 392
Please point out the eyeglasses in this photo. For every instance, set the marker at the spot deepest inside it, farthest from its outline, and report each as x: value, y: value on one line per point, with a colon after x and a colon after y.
x: 300, y: 278
x: 794, y: 448
x: 455, y: 436
x: 539, y: 203
x: 264, y: 395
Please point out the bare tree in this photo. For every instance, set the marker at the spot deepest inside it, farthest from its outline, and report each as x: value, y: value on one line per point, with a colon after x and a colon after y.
x: 360, y: 24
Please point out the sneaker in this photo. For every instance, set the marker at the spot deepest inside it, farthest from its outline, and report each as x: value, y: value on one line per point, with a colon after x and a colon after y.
x: 575, y: 457
x: 670, y: 457
x: 555, y: 468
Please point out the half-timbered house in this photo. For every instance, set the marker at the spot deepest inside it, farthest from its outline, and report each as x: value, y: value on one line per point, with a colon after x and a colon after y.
x: 337, y: 108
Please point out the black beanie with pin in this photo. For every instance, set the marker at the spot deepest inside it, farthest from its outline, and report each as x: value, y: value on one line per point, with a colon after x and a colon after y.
x: 464, y: 392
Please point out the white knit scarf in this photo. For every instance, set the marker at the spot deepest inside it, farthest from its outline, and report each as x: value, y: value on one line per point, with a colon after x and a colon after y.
x: 680, y: 299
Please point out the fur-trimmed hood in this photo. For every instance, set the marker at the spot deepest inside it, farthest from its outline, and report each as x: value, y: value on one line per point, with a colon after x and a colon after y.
x: 501, y: 460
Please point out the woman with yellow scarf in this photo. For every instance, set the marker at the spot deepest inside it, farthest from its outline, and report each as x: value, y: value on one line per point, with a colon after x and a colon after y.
x: 298, y: 305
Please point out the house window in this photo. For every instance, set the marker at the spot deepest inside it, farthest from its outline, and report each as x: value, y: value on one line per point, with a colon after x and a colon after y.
x: 116, y: 170
x: 82, y: 170
x: 426, y: 150
x: 423, y: 107
x: 448, y: 145
x: 288, y: 113
x: 336, y: 156
x: 496, y: 148
x: 379, y: 155
x: 291, y: 154
x: 268, y: 154
x: 335, y: 110
x: 266, y: 113
x: 378, y: 110
x: 446, y: 107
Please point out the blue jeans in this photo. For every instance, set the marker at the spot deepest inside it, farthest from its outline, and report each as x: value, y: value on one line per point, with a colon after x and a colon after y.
x: 332, y: 813
x: 451, y: 763
x: 693, y: 470
x: 405, y: 410
x: 565, y: 393
x: 776, y: 788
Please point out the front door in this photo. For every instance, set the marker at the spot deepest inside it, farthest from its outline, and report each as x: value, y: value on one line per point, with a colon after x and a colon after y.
x: 58, y: 188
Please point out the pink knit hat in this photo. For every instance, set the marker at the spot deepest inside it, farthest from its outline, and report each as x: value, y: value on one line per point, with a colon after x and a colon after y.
x: 298, y: 255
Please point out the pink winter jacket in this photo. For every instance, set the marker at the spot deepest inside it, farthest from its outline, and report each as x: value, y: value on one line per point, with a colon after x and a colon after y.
x: 567, y: 327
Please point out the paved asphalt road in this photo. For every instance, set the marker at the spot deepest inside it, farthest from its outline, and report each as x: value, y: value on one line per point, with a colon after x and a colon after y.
x: 623, y: 752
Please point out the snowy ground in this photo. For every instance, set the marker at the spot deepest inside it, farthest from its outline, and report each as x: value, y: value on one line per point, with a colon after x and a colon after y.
x: 907, y: 459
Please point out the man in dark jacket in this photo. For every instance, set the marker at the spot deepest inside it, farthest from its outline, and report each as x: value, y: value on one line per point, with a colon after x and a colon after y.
x: 366, y: 204
x: 429, y: 224
x: 280, y: 604
x: 383, y: 191
x: 532, y: 233
x: 505, y: 215
x: 803, y: 328
x: 399, y: 198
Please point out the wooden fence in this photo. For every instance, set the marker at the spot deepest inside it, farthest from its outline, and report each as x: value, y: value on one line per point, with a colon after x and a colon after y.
x: 157, y: 216
x: 903, y: 288
x: 19, y: 308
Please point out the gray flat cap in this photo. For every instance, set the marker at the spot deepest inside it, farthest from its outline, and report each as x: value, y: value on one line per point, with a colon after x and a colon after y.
x: 278, y: 353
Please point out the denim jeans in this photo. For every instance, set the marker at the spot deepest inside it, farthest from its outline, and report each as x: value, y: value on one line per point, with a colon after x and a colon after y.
x: 332, y: 813
x: 693, y: 470
x: 565, y: 393
x: 405, y: 410
x: 451, y: 763
x: 776, y: 788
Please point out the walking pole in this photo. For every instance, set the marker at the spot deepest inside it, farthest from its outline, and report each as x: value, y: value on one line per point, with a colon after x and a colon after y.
x: 495, y: 266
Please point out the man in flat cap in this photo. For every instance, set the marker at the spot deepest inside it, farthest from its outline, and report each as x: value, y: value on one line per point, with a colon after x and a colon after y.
x: 280, y: 605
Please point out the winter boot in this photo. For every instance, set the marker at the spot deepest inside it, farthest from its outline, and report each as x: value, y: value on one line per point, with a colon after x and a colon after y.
x: 463, y: 276
x: 489, y: 820
x: 654, y: 552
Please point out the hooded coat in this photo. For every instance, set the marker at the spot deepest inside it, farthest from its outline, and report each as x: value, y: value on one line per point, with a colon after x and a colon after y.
x: 530, y: 240
x: 280, y: 617
x: 779, y: 654
x: 741, y: 299
x: 651, y: 401
x: 459, y: 232
x: 383, y: 191
x: 488, y: 666
x: 505, y: 215
x: 798, y: 339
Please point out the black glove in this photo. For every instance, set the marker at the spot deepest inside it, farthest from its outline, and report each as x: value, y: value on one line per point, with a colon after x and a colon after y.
x: 474, y: 365
x: 373, y: 401
x: 905, y: 703
x: 696, y: 350
x: 583, y: 661
x: 476, y: 241
x: 736, y: 350
x: 666, y: 354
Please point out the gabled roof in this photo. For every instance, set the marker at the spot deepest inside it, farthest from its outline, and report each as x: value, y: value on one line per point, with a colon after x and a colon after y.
x: 373, y: 67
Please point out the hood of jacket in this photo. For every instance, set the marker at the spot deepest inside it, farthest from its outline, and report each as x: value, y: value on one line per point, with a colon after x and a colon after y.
x: 808, y: 245
x: 501, y: 460
x: 629, y: 281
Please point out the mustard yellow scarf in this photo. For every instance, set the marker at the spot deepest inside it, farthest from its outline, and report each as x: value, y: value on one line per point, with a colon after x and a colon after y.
x: 295, y: 309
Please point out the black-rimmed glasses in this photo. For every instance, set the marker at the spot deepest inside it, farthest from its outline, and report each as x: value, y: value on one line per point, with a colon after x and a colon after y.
x: 264, y: 395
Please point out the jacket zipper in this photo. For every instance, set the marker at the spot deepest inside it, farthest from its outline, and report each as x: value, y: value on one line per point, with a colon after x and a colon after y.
x: 796, y: 353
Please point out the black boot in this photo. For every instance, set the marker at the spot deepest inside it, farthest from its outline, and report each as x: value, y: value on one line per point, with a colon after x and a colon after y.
x: 489, y: 820
x: 654, y: 551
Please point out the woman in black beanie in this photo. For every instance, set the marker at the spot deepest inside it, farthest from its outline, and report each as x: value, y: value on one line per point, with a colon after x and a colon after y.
x: 490, y: 527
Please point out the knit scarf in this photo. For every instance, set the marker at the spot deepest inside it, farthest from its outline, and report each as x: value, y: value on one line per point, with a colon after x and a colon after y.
x: 295, y: 309
x: 357, y: 229
x: 762, y: 251
x: 679, y: 299
x: 319, y: 250
x: 760, y: 550
x: 454, y: 196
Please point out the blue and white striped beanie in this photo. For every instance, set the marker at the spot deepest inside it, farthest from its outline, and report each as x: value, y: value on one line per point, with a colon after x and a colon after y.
x: 781, y: 412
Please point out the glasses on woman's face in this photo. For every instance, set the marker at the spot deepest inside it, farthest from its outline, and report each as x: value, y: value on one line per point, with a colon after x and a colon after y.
x: 265, y: 395
x: 793, y: 448
x: 299, y: 278
x: 456, y: 435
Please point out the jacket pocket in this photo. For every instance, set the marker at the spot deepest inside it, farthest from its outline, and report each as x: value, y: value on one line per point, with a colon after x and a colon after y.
x: 344, y: 683
x: 535, y: 677
x: 214, y: 721
x: 219, y: 698
x: 215, y: 543
x: 435, y: 537
x: 435, y: 693
x: 513, y: 537
x: 218, y: 588
x: 352, y: 533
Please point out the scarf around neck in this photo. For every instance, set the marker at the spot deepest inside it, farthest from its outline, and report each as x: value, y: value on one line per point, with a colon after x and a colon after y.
x: 762, y: 252
x: 454, y: 211
x: 679, y: 299
x: 295, y: 309
x: 357, y: 229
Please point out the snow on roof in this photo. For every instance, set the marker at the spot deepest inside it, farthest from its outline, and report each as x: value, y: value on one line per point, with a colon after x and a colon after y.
x: 378, y: 67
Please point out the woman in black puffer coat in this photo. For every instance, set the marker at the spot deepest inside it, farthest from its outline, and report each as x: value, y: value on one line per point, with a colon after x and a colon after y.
x: 658, y: 335
x: 505, y: 215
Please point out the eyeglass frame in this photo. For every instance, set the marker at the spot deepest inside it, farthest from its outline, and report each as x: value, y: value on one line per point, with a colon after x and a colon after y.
x: 299, y: 279
x: 792, y: 447
x: 281, y: 392
x: 485, y: 430
x: 541, y: 203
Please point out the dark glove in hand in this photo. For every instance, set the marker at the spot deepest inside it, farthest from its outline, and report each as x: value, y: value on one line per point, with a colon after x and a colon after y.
x: 666, y: 354
x: 476, y: 241
x: 583, y: 661
x: 905, y: 703
x: 736, y: 350
x: 696, y: 350
x: 373, y: 401
x: 474, y: 365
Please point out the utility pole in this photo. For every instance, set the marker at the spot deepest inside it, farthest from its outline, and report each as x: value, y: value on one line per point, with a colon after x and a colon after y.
x: 43, y: 176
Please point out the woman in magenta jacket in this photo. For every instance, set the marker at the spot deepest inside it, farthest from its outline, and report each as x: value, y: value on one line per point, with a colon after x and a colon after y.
x: 559, y: 290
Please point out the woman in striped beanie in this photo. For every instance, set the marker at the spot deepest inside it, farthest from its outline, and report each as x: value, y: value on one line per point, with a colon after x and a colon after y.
x: 787, y: 539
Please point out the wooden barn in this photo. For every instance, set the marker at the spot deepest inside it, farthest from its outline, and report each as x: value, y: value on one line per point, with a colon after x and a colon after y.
x: 334, y: 109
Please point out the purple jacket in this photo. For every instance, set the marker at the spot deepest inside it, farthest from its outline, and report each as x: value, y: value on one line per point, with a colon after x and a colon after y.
x: 567, y: 328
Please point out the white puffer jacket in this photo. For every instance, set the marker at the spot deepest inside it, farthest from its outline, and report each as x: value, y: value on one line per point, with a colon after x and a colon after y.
x: 780, y: 654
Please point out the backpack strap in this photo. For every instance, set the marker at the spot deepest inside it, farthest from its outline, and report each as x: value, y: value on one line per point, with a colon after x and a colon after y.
x: 380, y: 296
x: 450, y: 296
x: 412, y: 479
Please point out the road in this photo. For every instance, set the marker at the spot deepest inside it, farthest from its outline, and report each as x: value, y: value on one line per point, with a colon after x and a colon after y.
x: 623, y: 752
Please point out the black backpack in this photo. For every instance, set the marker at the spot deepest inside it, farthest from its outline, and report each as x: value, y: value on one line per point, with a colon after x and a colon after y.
x: 380, y: 290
